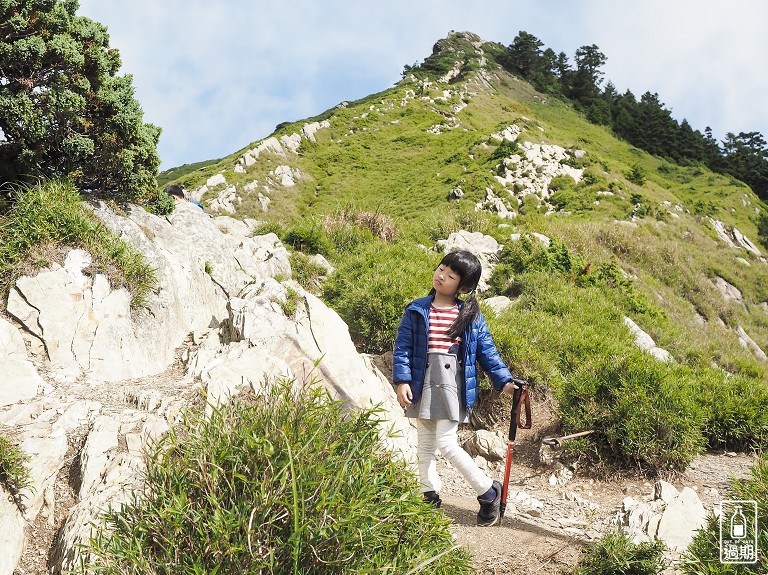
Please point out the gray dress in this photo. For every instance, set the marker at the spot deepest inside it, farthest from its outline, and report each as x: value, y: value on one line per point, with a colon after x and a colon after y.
x: 442, y: 391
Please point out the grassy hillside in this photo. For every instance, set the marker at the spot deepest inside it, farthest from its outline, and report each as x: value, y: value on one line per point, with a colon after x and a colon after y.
x: 634, y: 237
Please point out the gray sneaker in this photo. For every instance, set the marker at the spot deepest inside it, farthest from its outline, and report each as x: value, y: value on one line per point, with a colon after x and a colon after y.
x: 489, y: 510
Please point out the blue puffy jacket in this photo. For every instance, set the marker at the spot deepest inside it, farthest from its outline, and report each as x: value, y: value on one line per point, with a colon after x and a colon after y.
x: 410, y: 353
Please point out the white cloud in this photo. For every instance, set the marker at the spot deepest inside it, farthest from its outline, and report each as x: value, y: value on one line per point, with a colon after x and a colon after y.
x: 217, y: 76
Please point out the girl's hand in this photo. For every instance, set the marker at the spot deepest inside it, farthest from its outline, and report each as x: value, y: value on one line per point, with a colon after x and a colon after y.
x: 404, y: 395
x: 509, y: 388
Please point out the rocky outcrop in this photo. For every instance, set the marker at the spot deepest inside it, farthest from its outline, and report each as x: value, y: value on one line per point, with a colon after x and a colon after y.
x: 645, y: 341
x: 87, y: 383
x: 733, y: 237
x: 532, y: 170
x: 669, y: 515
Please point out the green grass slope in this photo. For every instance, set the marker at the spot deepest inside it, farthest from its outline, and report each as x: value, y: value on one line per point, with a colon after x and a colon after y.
x: 633, y: 238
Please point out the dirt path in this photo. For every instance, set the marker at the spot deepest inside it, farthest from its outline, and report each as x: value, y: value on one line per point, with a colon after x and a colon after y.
x: 572, y: 514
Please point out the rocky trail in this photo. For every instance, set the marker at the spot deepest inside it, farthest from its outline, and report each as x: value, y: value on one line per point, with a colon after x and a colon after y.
x: 77, y: 410
x: 549, y: 518
x: 553, y: 513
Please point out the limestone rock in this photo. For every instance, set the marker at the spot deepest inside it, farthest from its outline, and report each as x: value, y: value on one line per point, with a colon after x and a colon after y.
x: 19, y: 380
x: 681, y: 519
x: 729, y: 291
x: 11, y: 342
x: 541, y: 238
x: 11, y: 533
x: 750, y: 344
x: 232, y: 226
x: 645, y: 341
x: 227, y: 201
x: 486, y: 444
x: 498, y: 303
x: 216, y: 180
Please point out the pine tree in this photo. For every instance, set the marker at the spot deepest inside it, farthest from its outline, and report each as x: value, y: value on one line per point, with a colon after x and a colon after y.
x: 64, y: 111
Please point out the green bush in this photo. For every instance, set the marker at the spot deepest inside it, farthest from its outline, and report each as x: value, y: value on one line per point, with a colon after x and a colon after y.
x: 161, y: 204
x: 528, y: 255
x: 309, y: 237
x: 308, y: 273
x: 573, y: 200
x: 286, y: 482
x: 562, y: 183
x: 645, y: 417
x: 66, y: 113
x: 52, y: 215
x: 616, y: 554
x: 762, y: 228
x: 372, y: 287
x: 270, y: 228
x: 636, y: 175
x: 735, y: 410
x: 14, y: 473
x: 703, y: 555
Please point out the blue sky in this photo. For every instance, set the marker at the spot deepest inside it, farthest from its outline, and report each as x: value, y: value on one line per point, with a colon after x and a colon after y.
x: 218, y: 75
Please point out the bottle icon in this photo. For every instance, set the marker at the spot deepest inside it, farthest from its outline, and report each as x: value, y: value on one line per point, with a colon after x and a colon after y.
x: 738, y: 524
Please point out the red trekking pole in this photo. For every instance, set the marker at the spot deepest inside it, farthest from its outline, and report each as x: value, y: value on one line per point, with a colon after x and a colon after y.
x: 519, y: 396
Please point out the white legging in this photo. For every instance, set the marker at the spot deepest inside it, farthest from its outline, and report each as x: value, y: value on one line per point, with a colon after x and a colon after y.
x: 441, y: 434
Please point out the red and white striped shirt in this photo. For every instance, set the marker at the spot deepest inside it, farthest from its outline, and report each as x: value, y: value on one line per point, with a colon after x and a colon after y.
x: 440, y: 319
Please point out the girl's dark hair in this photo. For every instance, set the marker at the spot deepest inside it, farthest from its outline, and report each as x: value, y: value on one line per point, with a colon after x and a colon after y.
x: 467, y: 265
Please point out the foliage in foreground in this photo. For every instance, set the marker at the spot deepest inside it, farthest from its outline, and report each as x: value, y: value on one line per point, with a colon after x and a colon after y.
x: 14, y: 473
x: 49, y: 216
x: 616, y: 554
x: 703, y: 556
x: 287, y: 482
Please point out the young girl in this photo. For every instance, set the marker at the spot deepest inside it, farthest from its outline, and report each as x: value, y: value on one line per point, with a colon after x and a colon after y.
x: 438, y: 342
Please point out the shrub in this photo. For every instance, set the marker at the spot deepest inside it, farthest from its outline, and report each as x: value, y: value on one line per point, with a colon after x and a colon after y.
x: 372, y: 287
x: 505, y: 149
x: 562, y: 183
x: 703, y: 555
x: 308, y: 273
x: 308, y: 237
x: 636, y: 175
x: 347, y: 227
x: 734, y: 407
x: 14, y: 473
x: 762, y: 228
x: 65, y: 111
x: 270, y: 228
x: 161, y: 204
x: 438, y: 225
x: 644, y: 417
x: 616, y: 554
x: 287, y: 482
x: 52, y: 215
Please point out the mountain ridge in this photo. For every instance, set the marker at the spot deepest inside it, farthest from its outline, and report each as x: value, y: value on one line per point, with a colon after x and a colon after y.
x: 423, y: 153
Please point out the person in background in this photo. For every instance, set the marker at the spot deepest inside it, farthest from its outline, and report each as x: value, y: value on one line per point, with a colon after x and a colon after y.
x: 178, y: 195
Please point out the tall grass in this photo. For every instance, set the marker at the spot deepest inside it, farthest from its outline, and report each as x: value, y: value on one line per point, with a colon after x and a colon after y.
x: 46, y: 218
x: 616, y: 554
x: 288, y: 482
x: 372, y: 287
x: 14, y: 472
